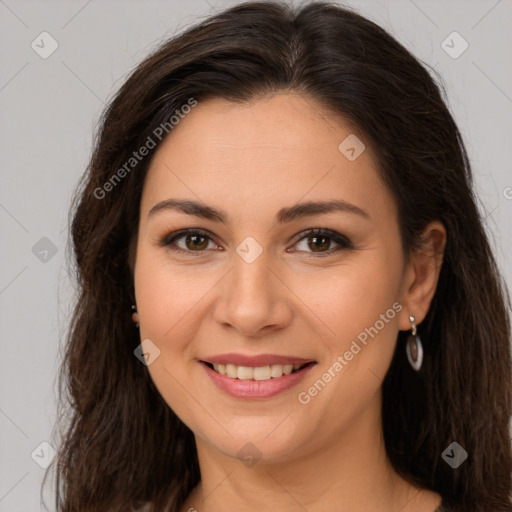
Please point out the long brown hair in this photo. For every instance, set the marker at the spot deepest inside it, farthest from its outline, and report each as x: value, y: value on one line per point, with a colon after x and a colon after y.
x: 122, y: 446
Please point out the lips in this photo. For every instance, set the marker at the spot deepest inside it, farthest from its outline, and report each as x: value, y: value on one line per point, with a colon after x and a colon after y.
x: 255, y: 377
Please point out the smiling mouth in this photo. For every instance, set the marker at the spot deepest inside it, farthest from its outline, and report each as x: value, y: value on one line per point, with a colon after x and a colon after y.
x: 274, y: 371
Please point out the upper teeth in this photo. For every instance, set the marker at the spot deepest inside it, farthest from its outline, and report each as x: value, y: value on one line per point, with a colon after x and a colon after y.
x: 256, y: 373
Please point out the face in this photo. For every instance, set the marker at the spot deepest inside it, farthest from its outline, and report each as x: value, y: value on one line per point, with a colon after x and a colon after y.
x: 250, y: 286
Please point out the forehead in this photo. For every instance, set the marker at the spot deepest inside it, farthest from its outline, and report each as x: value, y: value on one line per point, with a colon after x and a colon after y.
x: 268, y: 125
x: 277, y: 149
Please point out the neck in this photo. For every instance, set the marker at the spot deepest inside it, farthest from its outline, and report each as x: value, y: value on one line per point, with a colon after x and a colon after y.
x: 346, y: 471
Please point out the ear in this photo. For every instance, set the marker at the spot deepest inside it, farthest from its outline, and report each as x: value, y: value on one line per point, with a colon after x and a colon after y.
x: 421, y: 275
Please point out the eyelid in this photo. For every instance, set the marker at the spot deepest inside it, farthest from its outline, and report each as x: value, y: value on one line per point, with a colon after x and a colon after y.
x: 319, y: 232
x: 343, y: 241
x: 167, y: 240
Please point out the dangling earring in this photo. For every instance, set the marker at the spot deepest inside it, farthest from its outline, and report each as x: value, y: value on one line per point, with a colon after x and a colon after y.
x: 414, y: 348
x: 135, y: 316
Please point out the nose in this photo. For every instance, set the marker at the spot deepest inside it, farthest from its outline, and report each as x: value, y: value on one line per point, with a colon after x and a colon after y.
x: 253, y: 298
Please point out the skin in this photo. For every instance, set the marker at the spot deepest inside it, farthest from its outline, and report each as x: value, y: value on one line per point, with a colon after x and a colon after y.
x: 252, y: 160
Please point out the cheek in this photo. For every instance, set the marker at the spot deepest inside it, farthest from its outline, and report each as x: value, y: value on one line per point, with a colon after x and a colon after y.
x: 361, y: 312
x: 167, y: 301
x: 348, y: 298
x: 356, y: 308
x: 166, y: 296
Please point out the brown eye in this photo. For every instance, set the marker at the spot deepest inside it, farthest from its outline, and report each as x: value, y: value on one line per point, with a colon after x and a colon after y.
x: 188, y: 240
x: 194, y: 242
x: 319, y: 241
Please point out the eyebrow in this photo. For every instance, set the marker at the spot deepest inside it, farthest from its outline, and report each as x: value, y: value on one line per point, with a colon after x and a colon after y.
x: 287, y: 214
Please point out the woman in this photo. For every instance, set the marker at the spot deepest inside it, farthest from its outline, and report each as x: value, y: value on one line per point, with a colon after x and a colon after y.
x: 287, y: 296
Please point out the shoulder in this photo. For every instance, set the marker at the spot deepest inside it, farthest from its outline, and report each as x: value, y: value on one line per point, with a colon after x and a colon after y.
x: 147, y: 507
x: 442, y: 508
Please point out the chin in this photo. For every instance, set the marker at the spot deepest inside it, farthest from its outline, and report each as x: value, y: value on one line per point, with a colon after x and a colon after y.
x: 264, y: 440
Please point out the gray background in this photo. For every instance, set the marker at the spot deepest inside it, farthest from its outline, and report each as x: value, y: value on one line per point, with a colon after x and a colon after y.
x: 49, y: 109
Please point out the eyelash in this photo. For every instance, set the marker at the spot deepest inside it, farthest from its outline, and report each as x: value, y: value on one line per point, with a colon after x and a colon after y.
x: 344, y: 243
